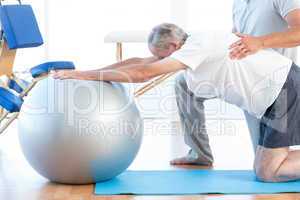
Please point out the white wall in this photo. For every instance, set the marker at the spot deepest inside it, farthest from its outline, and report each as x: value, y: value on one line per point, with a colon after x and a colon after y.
x: 209, y: 15
x: 77, y: 28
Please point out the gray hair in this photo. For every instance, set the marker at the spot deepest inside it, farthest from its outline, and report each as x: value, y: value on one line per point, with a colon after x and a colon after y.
x: 162, y: 35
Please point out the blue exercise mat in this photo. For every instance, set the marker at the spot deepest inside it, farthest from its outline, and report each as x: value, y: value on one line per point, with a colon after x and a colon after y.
x: 188, y: 182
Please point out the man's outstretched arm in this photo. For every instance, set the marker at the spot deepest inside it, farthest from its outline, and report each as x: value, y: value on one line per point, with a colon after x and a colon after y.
x: 132, y: 73
x: 130, y: 61
x: 249, y: 45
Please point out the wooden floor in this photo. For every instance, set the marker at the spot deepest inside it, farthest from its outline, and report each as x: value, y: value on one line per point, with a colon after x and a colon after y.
x: 19, y: 182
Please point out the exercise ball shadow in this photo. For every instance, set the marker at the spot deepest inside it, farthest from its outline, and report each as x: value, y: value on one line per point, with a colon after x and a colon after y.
x: 79, y: 132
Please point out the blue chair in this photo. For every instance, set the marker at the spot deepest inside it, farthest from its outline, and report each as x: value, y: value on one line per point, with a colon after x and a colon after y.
x: 19, y: 30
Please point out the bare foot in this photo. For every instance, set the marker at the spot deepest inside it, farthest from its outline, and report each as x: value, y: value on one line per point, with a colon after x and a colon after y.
x: 188, y: 161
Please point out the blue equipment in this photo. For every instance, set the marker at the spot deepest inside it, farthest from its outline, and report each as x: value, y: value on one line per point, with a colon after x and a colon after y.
x: 19, y: 29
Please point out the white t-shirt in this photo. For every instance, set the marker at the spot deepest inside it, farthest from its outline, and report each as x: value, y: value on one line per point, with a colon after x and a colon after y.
x: 252, y: 83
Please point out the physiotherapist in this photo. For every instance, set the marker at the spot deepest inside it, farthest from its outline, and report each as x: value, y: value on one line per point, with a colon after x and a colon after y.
x: 261, y: 24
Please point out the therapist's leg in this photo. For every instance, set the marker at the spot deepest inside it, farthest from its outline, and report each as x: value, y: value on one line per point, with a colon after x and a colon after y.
x: 254, y: 129
x: 191, y: 112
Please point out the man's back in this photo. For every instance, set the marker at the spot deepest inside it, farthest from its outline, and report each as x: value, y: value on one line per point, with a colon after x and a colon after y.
x: 252, y: 83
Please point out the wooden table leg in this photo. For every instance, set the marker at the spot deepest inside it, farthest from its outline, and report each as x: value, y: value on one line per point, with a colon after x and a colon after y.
x: 119, y: 53
x: 152, y: 84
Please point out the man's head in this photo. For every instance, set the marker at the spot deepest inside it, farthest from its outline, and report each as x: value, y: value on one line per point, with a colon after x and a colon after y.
x: 166, y: 38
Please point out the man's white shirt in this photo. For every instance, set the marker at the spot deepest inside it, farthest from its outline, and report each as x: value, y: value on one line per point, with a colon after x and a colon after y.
x: 252, y: 83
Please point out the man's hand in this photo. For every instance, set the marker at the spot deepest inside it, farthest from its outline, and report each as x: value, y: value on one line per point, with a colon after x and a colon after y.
x: 64, y: 74
x: 247, y: 45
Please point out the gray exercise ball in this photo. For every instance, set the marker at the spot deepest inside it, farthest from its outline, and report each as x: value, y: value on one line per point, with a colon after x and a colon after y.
x: 79, y: 132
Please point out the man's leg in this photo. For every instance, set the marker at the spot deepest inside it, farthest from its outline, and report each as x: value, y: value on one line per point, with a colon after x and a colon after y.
x: 277, y: 165
x: 254, y: 129
x: 191, y: 112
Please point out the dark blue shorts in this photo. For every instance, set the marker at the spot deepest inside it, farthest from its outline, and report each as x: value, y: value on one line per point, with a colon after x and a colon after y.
x: 280, y: 125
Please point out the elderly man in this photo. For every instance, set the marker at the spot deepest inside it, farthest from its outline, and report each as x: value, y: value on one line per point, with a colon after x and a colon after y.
x: 271, y: 24
x: 269, y: 93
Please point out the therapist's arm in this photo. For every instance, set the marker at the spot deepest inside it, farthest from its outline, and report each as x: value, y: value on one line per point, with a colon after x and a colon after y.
x: 248, y: 45
x: 132, y: 73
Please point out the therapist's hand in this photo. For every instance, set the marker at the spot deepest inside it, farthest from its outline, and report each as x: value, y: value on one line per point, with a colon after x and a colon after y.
x: 64, y: 74
x: 247, y: 45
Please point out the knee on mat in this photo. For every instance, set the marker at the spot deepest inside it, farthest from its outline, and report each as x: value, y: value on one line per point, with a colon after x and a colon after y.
x: 265, y: 174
